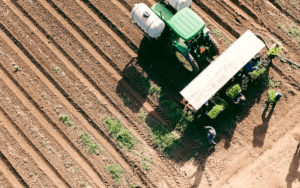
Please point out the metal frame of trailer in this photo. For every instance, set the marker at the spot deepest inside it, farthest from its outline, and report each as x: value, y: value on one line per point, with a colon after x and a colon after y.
x: 221, y: 70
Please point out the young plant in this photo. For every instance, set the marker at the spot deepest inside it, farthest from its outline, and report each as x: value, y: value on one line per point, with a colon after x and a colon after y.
x: 66, y: 120
x: 44, y: 144
x: 16, y: 68
x: 117, y: 130
x: 133, y: 185
x: 143, y: 116
x: 273, y: 82
x: 57, y: 69
x: 220, y: 35
x: 155, y: 91
x: 117, y: 172
x: 232, y: 93
x: 146, y: 162
x: 85, y: 185
x: 272, y: 95
x: 89, y: 143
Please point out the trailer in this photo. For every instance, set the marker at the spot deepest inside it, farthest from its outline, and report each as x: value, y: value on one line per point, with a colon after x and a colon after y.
x: 220, y: 71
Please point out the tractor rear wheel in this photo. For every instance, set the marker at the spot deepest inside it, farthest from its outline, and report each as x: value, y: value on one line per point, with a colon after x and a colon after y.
x: 214, y: 45
x: 189, y: 63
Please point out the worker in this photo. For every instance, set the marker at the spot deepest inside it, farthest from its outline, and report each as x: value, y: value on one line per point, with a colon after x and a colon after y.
x: 278, y: 95
x: 211, y: 134
x: 240, y: 100
x: 274, y: 50
x: 250, y: 66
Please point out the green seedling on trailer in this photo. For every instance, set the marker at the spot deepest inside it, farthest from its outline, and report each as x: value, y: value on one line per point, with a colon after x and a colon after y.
x: 213, y: 113
x: 117, y: 172
x: 232, y: 93
x: 255, y: 74
x: 272, y: 95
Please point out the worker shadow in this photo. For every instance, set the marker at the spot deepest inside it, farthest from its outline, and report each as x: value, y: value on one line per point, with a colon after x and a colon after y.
x: 293, y: 173
x: 259, y: 132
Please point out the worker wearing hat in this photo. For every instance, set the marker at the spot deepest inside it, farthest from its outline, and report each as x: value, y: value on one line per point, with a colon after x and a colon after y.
x: 274, y: 50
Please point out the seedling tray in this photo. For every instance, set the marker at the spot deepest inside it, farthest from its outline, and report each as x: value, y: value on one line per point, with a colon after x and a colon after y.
x: 256, y: 73
x: 272, y: 96
x: 233, y: 91
x: 218, y: 108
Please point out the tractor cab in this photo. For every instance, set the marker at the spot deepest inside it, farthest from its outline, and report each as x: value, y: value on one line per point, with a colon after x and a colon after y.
x: 184, y: 32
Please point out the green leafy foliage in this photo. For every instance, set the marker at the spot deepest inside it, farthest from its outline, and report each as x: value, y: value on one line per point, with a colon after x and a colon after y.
x: 221, y: 36
x: 146, y: 162
x: 123, y: 137
x: 16, y: 68
x: 89, y: 143
x: 213, y: 113
x: 117, y: 172
x: 44, y: 144
x: 164, y: 138
x: 272, y: 94
x: 232, y: 93
x: 133, y: 185
x: 66, y: 119
x: 57, y: 69
x: 255, y: 74
x: 155, y: 91
x: 273, y: 82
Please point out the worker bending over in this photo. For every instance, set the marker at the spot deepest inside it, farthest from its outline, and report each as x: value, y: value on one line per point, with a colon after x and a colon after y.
x: 211, y: 134
x: 274, y: 50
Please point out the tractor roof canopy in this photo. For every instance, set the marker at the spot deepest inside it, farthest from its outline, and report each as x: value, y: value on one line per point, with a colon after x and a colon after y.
x: 220, y: 71
x: 185, y: 23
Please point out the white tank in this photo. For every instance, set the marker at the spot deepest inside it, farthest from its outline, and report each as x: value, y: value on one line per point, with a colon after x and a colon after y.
x: 147, y: 20
x: 180, y: 4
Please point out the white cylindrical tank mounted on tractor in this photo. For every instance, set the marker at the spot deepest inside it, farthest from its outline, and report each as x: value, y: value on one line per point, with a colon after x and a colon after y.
x: 144, y: 17
x: 179, y: 4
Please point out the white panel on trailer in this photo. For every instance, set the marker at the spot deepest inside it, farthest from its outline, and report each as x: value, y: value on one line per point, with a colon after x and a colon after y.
x: 221, y: 70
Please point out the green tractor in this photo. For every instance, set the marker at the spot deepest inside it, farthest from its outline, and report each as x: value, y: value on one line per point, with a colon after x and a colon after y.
x: 185, y: 33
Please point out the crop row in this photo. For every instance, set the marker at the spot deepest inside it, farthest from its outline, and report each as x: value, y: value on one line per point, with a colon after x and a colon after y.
x: 86, y: 104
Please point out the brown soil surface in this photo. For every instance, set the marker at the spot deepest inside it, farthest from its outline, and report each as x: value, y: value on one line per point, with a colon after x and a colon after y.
x: 107, y: 68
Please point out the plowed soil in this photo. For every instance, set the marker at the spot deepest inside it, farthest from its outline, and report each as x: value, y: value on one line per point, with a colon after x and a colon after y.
x: 86, y: 61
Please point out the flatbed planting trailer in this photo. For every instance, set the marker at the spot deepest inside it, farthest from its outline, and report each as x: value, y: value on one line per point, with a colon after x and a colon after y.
x: 221, y: 70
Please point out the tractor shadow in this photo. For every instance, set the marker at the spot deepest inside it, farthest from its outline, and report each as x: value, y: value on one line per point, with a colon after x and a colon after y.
x: 153, y: 66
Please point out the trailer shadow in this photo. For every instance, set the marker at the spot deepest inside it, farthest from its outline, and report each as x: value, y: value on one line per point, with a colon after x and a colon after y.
x: 184, y: 139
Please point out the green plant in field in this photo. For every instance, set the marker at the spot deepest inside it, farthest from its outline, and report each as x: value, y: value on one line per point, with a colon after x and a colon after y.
x: 117, y: 172
x: 255, y: 74
x: 273, y: 82
x: 272, y: 94
x: 66, y: 119
x: 44, y: 144
x: 133, y: 185
x: 271, y: 13
x: 145, y: 83
x: 117, y: 130
x: 236, y: 89
x: 294, y: 67
x: 89, y: 143
x: 126, y: 100
x: 16, y: 68
x: 143, y: 116
x: 57, y: 69
x: 213, y: 113
x: 280, y: 2
x: 164, y: 138
x: 85, y: 185
x: 220, y: 35
x: 146, y: 162
x: 63, y: 74
x: 155, y: 91
x: 281, y: 15
x: 281, y: 26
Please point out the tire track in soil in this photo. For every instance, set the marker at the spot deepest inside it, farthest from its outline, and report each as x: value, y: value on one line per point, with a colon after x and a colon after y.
x: 20, y: 159
x: 54, y: 153
x: 167, y: 166
x: 107, y: 56
x: 28, y: 82
x: 8, y: 178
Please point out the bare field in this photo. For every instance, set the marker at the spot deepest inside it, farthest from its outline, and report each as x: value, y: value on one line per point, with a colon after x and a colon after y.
x: 87, y: 101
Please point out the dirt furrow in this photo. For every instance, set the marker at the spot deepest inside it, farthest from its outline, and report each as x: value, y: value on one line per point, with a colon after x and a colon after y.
x: 117, y: 18
x: 8, y: 176
x: 21, y: 161
x: 40, y: 137
x: 289, y: 7
x: 53, y: 108
x: 56, y: 155
x: 88, y: 100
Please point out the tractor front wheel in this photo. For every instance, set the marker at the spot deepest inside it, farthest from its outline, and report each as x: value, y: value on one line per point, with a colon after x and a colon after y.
x: 214, y: 45
x: 189, y: 63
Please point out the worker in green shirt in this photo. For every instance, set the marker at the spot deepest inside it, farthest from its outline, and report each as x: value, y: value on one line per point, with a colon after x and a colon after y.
x: 274, y: 50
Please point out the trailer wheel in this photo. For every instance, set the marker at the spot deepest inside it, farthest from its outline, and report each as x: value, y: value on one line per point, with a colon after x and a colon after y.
x: 189, y: 63
x: 214, y: 45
